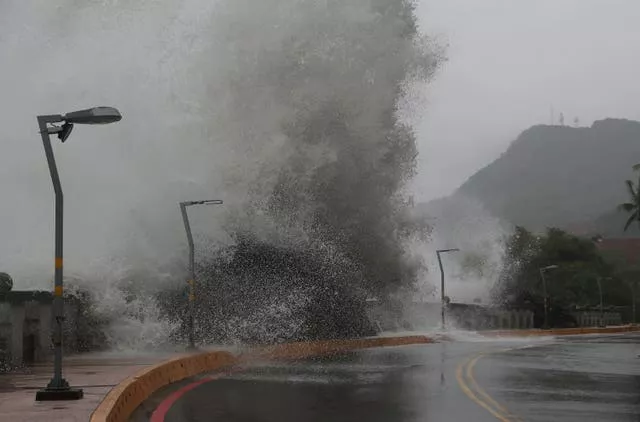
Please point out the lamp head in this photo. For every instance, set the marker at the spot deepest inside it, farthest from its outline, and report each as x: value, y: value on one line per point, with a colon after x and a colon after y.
x: 65, y: 131
x: 93, y: 116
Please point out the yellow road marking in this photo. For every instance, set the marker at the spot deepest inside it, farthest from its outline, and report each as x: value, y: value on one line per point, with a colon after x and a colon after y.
x: 479, y: 396
x: 472, y: 396
x: 490, y: 400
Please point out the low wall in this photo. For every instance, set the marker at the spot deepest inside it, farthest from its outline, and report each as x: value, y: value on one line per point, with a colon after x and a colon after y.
x: 317, y: 348
x: 25, y: 328
x: 426, y: 315
x: 592, y: 319
x: 123, y: 399
x: 562, y: 331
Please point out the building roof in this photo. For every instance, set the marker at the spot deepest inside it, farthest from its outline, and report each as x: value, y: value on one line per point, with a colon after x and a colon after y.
x: 629, y: 248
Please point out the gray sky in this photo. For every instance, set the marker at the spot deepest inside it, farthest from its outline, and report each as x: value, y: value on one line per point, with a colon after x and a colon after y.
x: 509, y: 62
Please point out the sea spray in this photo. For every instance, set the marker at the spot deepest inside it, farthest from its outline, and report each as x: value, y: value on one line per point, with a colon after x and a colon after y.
x: 286, y: 110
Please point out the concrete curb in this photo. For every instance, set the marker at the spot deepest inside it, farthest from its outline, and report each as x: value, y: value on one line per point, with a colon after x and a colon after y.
x: 318, y: 348
x: 562, y: 331
x: 124, y: 398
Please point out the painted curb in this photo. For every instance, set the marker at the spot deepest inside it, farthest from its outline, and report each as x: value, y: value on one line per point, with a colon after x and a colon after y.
x: 318, y: 348
x: 124, y: 398
x: 562, y: 331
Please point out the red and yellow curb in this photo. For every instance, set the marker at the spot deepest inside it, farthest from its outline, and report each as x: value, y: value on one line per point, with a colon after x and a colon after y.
x: 123, y: 399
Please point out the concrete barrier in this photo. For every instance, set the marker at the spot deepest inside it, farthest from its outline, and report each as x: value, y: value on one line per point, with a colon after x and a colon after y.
x: 318, y: 348
x: 124, y: 398
x: 562, y: 331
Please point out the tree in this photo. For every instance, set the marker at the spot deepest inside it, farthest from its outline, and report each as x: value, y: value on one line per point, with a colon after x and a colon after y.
x: 572, y: 285
x: 633, y: 206
x: 627, y: 272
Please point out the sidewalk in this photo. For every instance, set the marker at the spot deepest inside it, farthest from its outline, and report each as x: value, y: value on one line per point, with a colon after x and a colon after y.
x: 96, y: 374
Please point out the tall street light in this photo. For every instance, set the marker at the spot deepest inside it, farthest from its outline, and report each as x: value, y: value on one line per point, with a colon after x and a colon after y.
x: 546, y: 296
x: 442, y: 295
x: 192, y: 271
x: 58, y: 388
x: 632, y: 286
x: 599, y: 280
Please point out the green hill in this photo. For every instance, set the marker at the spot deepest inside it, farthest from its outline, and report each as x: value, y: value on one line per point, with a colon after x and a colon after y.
x: 561, y: 176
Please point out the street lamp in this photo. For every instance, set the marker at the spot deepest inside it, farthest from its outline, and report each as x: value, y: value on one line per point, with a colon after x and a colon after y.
x: 632, y: 286
x: 599, y: 280
x: 442, y: 296
x: 192, y: 271
x: 58, y: 388
x: 546, y: 296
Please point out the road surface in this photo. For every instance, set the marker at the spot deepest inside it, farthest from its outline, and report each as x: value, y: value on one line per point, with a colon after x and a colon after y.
x: 586, y: 378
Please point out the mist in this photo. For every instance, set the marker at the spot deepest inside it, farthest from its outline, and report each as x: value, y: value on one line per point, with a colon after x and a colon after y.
x: 122, y: 181
x: 472, y: 272
x: 288, y: 111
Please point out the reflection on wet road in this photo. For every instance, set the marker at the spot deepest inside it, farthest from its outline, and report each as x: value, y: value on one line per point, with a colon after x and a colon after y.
x: 577, y: 379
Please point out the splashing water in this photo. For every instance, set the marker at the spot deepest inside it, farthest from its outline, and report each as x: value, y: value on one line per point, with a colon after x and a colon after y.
x: 471, y: 273
x: 286, y: 110
x: 122, y: 311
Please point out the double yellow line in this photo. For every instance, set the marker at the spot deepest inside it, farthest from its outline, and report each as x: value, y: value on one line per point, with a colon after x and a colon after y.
x: 470, y: 387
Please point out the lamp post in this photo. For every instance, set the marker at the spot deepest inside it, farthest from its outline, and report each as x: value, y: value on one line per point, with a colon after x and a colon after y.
x: 599, y: 280
x: 58, y: 388
x: 192, y: 271
x: 633, y: 302
x: 545, y: 324
x: 442, y: 295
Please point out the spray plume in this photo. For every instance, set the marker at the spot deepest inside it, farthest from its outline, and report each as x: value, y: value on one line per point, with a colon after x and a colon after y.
x: 287, y: 110
x: 312, y: 97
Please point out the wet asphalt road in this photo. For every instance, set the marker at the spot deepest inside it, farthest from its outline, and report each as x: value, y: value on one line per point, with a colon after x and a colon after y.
x: 590, y: 378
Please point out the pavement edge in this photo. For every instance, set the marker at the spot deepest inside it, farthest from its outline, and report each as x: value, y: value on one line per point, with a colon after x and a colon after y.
x: 124, y: 398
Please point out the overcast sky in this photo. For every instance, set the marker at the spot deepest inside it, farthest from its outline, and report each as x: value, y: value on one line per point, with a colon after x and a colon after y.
x: 509, y: 62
